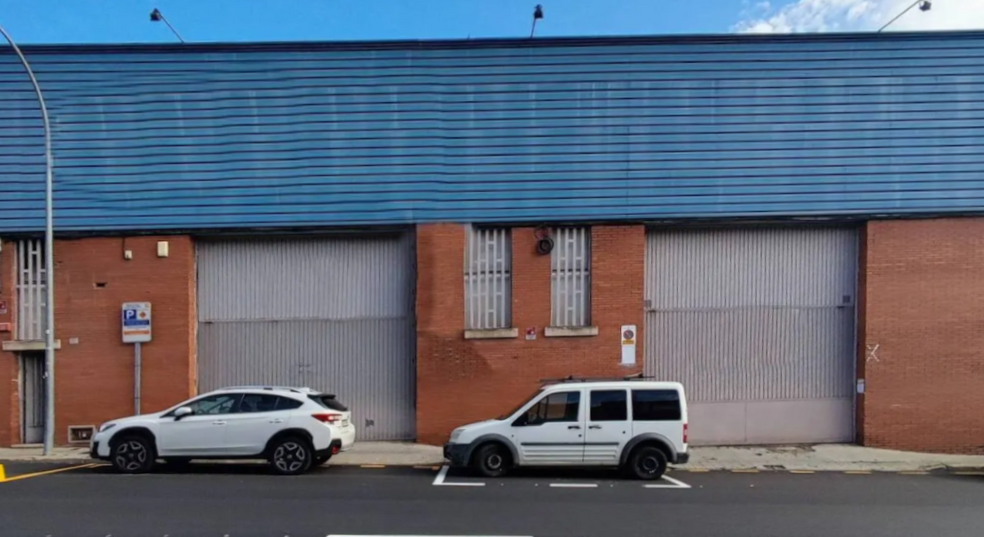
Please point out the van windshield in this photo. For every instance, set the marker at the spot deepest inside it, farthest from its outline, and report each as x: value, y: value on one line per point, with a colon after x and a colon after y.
x: 516, y: 408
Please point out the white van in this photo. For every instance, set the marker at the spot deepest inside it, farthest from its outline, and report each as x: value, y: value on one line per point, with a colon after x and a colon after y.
x: 635, y: 424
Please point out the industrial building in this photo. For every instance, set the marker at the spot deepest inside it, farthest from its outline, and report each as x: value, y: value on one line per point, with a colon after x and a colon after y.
x: 791, y: 226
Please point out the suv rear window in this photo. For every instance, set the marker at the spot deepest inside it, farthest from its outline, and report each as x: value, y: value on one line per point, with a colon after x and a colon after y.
x: 329, y: 402
x: 655, y: 405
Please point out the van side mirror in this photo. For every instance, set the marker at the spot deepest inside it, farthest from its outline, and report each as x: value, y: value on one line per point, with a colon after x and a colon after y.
x: 521, y: 421
x: 183, y: 412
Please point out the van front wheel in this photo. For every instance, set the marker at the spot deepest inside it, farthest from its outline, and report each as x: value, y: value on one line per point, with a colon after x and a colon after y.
x: 491, y: 460
x: 647, y: 463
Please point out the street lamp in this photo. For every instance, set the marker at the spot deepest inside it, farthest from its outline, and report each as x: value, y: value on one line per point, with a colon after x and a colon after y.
x: 924, y: 5
x: 157, y: 16
x: 49, y: 242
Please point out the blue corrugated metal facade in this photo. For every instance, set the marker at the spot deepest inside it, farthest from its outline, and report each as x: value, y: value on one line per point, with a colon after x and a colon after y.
x: 246, y: 136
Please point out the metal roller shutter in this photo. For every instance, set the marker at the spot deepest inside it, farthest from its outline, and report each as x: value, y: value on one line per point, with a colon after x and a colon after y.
x: 333, y: 314
x: 759, y: 326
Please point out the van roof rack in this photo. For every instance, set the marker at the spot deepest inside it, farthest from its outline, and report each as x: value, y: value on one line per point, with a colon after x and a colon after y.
x: 572, y: 378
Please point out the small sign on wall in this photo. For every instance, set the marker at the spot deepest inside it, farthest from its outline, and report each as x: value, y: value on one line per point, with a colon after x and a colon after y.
x: 530, y: 333
x: 3, y: 307
x: 628, y: 336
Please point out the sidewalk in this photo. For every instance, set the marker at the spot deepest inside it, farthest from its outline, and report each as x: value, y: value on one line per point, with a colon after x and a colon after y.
x: 823, y: 457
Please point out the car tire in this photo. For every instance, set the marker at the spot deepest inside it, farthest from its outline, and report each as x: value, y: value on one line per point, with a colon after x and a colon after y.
x: 492, y: 460
x: 133, y: 455
x: 647, y: 463
x: 291, y: 456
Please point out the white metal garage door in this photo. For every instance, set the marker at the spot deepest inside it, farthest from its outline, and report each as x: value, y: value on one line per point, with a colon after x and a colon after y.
x: 759, y: 326
x: 332, y: 314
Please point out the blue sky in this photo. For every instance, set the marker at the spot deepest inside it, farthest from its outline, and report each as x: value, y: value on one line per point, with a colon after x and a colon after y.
x: 124, y: 21
x: 50, y: 21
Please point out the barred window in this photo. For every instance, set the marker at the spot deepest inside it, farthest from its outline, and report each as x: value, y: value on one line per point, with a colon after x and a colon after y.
x: 488, y: 282
x: 570, y: 278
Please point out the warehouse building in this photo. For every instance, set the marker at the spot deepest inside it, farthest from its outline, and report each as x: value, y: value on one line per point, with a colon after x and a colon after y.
x: 789, y: 225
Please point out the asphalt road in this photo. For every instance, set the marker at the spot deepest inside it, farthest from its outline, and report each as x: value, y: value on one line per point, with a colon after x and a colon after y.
x: 242, y: 501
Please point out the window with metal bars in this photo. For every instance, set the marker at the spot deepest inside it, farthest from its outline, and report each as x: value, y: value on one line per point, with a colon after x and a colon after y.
x: 488, y: 279
x: 32, y: 273
x: 570, y: 278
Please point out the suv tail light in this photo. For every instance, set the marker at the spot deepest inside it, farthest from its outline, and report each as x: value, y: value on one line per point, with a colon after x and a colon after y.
x: 684, y: 433
x: 326, y: 417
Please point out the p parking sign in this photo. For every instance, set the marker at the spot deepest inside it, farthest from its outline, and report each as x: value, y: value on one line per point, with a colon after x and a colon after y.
x: 136, y: 322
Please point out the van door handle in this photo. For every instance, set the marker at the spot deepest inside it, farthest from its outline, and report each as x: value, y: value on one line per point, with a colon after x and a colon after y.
x: 220, y: 422
x: 594, y: 427
x: 573, y: 426
x: 277, y: 420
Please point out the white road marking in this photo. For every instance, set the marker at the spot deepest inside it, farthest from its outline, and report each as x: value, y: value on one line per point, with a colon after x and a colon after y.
x: 439, y: 480
x: 677, y: 484
x: 574, y: 485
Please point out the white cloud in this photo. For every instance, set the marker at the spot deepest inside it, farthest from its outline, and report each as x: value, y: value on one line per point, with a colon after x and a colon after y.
x: 859, y: 15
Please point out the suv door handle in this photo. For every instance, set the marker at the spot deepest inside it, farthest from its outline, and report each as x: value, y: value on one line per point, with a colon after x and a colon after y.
x: 573, y: 426
x: 219, y: 422
x: 594, y: 427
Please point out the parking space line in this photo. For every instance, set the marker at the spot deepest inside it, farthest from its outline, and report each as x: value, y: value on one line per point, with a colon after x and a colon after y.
x: 574, y: 485
x: 49, y: 472
x: 677, y: 484
x: 439, y: 480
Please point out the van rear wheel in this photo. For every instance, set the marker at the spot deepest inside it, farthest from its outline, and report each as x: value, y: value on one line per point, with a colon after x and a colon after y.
x: 647, y: 462
x: 492, y: 460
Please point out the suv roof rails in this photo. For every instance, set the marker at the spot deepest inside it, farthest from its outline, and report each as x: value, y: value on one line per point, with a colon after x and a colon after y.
x: 264, y: 387
x: 572, y: 378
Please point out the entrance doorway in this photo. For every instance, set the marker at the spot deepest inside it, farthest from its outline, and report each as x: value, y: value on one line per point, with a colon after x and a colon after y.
x: 32, y: 381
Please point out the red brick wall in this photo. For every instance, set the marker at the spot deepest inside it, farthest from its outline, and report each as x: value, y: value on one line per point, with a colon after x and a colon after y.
x: 94, y: 378
x: 9, y: 374
x: 923, y: 291
x: 460, y: 381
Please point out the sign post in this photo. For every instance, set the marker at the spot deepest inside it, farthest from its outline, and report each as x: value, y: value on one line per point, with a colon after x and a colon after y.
x: 136, y: 329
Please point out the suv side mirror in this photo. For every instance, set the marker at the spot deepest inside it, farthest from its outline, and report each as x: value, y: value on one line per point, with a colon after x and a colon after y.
x: 183, y: 412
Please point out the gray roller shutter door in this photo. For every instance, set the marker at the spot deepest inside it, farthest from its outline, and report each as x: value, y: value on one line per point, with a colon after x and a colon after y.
x: 332, y: 314
x: 759, y: 326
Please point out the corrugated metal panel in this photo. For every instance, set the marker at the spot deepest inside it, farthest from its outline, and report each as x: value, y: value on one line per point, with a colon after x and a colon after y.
x: 334, y: 314
x: 367, y: 363
x: 212, y: 137
x: 337, y: 279
x: 763, y: 316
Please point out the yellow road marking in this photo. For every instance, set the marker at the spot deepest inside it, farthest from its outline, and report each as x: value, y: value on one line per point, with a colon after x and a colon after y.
x: 745, y: 471
x: 3, y: 476
x: 435, y: 468
x: 49, y: 472
x: 913, y: 473
x: 802, y: 471
x: 695, y: 470
x: 373, y: 466
x: 968, y: 473
x: 858, y: 472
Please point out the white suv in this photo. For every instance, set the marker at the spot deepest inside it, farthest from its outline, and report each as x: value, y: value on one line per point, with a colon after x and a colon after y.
x: 637, y: 425
x: 293, y: 428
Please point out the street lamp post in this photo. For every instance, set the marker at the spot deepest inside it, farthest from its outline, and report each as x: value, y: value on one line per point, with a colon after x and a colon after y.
x: 49, y: 241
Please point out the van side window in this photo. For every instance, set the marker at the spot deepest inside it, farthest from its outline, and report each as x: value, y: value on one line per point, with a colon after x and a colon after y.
x: 609, y: 405
x: 554, y: 407
x: 655, y: 405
